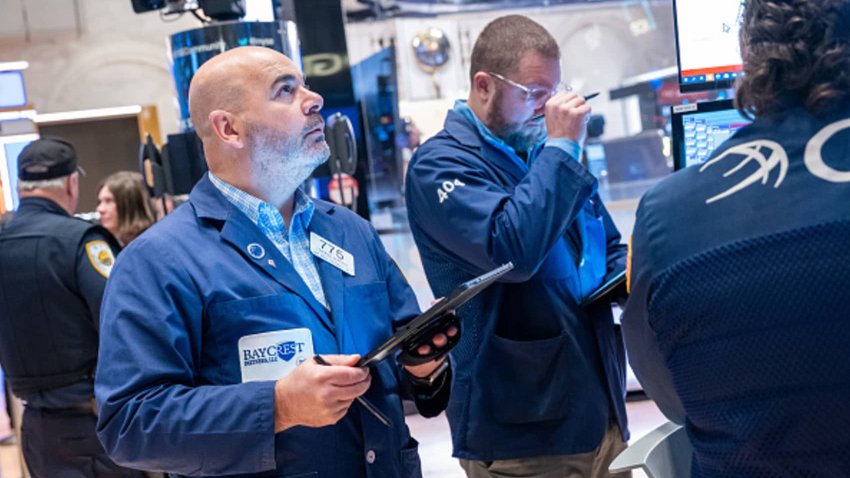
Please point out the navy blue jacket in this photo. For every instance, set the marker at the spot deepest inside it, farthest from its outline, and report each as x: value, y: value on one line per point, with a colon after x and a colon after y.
x: 737, y: 320
x: 50, y: 293
x: 535, y: 373
x: 179, y: 300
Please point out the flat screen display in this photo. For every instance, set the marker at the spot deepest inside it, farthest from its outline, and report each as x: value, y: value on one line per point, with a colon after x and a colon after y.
x: 698, y: 129
x: 12, y: 92
x: 707, y: 43
x: 10, y: 148
x: 636, y: 158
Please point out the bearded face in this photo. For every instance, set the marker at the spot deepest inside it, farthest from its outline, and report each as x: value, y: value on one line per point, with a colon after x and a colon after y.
x: 521, y: 135
x: 286, y: 161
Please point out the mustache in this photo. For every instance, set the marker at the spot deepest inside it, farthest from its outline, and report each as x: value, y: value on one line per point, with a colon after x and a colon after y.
x: 315, y: 123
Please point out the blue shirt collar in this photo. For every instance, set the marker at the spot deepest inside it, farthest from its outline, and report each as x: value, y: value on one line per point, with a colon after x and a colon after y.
x: 462, y: 108
x: 252, y: 206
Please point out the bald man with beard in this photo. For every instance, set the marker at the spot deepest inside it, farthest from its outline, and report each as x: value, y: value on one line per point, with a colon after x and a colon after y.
x: 212, y: 318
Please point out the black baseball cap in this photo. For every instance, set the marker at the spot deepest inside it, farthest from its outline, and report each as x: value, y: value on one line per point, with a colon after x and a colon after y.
x: 47, y: 158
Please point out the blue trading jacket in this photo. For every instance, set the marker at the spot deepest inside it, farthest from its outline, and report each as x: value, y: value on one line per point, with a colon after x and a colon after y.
x: 737, y: 320
x: 535, y: 373
x: 180, y: 298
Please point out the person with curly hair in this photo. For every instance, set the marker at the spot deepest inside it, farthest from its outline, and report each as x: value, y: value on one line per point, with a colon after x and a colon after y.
x: 124, y: 205
x: 737, y: 324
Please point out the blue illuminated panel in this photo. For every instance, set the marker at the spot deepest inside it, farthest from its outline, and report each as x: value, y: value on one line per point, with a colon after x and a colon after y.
x: 704, y: 132
x: 12, y: 91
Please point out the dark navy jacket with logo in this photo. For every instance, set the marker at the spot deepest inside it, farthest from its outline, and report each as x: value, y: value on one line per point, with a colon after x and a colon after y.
x: 50, y: 294
x: 737, y: 323
x: 535, y: 373
x: 178, y: 302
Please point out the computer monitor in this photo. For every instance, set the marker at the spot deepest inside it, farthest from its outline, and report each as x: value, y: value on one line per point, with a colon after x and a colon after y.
x: 699, y: 128
x: 636, y: 158
x: 707, y: 43
x: 12, y: 91
x: 10, y: 148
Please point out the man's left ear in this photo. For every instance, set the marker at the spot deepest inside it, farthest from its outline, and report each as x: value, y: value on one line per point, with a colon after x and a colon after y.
x: 71, y: 183
x: 224, y: 127
x: 482, y: 85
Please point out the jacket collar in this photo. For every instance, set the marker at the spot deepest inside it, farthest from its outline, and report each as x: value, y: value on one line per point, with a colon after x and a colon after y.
x: 208, y: 201
x: 40, y: 204
x: 460, y: 129
x: 243, y: 235
x: 467, y: 134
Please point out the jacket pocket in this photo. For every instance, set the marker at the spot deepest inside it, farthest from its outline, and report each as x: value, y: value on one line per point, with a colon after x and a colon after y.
x: 367, y: 315
x: 410, y: 463
x: 528, y: 379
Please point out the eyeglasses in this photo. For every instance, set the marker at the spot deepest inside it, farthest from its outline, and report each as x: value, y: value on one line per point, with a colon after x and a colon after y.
x: 535, y: 96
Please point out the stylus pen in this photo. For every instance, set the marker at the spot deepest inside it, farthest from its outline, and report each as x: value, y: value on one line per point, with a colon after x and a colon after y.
x: 366, y: 404
x: 586, y: 98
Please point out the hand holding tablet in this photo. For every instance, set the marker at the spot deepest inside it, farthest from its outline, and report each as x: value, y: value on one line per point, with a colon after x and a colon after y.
x: 436, y: 319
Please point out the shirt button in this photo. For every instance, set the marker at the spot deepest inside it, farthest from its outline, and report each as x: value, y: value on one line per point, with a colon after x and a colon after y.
x: 370, y: 456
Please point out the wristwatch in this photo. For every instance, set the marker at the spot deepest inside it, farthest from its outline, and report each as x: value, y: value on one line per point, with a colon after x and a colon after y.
x: 429, y: 381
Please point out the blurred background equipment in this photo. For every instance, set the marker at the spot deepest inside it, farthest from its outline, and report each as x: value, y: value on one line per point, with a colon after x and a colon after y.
x: 17, y: 129
x: 431, y: 48
x: 339, y: 134
x: 175, y: 170
x: 106, y: 140
x: 205, y: 10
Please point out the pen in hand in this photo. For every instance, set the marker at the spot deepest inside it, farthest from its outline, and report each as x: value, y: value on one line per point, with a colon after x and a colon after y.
x: 365, y: 403
x: 586, y: 98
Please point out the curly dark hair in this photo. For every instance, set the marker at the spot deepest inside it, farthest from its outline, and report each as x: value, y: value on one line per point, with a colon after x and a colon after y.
x: 504, y: 41
x: 796, y: 52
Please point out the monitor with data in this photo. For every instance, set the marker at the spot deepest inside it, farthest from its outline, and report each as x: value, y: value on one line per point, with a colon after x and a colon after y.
x: 699, y: 128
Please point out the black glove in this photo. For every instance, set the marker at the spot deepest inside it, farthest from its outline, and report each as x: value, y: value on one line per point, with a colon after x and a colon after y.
x: 409, y: 350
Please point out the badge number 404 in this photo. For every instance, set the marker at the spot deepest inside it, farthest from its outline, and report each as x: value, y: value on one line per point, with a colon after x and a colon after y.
x: 446, y: 188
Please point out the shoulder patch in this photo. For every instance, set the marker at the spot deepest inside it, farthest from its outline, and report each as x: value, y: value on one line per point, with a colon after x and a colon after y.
x: 101, y: 257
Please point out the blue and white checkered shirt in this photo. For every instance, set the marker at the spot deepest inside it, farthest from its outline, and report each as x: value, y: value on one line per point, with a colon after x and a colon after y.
x: 293, y: 244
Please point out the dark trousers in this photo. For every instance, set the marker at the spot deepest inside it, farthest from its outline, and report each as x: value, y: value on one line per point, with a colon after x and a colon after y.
x: 64, y: 445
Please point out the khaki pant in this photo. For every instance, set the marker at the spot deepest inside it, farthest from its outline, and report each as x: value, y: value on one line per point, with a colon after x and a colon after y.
x: 583, y: 465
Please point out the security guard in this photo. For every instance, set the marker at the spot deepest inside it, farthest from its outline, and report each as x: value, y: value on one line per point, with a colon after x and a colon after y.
x: 53, y: 269
x: 212, y: 319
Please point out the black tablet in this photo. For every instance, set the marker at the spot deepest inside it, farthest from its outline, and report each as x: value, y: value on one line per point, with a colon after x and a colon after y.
x: 612, y: 289
x: 455, y: 299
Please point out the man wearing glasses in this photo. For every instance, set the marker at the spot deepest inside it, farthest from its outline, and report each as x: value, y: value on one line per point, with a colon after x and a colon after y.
x: 539, y: 380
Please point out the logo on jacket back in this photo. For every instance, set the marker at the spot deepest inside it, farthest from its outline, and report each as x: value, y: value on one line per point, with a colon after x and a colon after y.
x: 763, y: 157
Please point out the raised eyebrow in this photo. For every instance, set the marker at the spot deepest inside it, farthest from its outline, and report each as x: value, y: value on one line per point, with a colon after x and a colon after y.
x: 287, y: 78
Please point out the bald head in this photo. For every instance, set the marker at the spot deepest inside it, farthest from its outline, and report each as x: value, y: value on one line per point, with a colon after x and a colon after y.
x: 260, y: 125
x: 222, y: 83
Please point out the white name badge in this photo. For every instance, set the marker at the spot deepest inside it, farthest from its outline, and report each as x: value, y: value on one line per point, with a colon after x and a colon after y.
x: 273, y: 355
x: 331, y: 253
